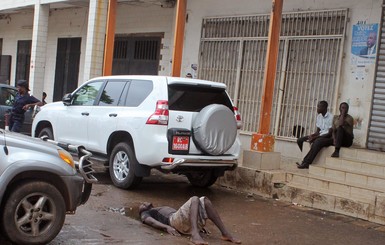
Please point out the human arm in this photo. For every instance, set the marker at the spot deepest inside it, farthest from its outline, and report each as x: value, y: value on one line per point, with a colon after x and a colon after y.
x: 158, y: 225
x: 32, y: 101
x: 314, y: 136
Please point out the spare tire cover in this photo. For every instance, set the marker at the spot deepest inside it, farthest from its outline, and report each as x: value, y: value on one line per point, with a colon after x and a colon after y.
x: 215, y: 129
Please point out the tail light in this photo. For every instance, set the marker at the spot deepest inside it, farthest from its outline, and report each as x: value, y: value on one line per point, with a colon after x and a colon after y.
x: 160, y: 116
x: 237, y: 117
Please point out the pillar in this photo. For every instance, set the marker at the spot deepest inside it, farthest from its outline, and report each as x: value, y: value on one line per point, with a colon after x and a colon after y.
x: 263, y: 140
x: 178, y: 38
x: 96, y: 31
x: 38, y: 49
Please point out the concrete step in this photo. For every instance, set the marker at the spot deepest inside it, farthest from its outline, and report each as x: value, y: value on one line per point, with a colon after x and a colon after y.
x: 355, y: 165
x: 358, y: 154
x: 375, y: 182
x: 352, y: 191
x: 334, y: 202
x: 363, y: 155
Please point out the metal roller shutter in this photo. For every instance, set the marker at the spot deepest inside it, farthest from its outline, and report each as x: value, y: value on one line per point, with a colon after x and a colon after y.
x: 376, y: 135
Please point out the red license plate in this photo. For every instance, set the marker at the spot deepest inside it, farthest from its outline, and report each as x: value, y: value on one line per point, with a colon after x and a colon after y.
x: 180, y: 143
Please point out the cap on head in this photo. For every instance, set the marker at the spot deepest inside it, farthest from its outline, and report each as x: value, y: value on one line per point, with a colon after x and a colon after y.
x: 23, y: 83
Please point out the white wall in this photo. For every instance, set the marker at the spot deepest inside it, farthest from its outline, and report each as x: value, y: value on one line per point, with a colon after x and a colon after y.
x: 357, y: 93
x: 149, y: 18
x: 145, y: 18
x: 12, y: 29
x: 64, y: 23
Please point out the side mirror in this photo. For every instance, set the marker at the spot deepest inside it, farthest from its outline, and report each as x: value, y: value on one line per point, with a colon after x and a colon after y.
x: 67, y: 99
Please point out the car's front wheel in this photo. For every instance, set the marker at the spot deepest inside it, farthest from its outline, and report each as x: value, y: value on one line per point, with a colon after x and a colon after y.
x: 202, y: 179
x: 33, y: 213
x: 122, y: 167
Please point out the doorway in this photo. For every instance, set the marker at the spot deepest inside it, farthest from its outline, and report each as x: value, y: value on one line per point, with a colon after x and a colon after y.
x: 136, y: 55
x: 67, y: 66
x: 23, y: 60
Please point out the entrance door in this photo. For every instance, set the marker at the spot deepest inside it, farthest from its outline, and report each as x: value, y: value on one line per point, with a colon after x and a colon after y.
x: 23, y: 60
x: 136, y: 56
x: 67, y: 66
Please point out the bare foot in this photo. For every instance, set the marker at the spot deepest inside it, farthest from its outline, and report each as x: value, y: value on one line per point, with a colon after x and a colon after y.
x: 231, y: 239
x: 197, y: 240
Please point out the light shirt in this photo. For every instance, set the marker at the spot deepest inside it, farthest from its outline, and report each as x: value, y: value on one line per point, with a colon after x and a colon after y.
x: 324, y: 123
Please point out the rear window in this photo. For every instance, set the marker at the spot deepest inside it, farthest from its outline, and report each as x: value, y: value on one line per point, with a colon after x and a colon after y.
x: 195, y: 98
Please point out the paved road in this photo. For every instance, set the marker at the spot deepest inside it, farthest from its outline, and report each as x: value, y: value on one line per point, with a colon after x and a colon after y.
x: 110, y: 217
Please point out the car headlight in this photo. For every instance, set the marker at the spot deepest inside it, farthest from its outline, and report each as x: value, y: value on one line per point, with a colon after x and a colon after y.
x: 67, y: 158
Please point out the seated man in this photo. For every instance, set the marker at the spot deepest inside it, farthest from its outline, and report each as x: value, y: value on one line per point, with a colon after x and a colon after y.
x: 342, y: 129
x: 188, y: 219
x: 323, y: 123
x: 319, y: 139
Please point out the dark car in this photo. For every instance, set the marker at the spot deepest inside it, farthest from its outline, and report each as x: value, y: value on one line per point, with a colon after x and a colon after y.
x: 7, y: 98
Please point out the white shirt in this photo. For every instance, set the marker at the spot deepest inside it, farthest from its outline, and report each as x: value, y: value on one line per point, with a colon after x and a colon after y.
x: 324, y: 122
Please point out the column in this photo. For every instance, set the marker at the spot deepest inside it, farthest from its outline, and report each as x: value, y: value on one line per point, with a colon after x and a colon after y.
x: 38, y: 49
x: 264, y: 141
x: 96, y: 31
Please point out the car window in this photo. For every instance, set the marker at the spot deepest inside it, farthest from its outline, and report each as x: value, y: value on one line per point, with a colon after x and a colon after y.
x: 112, y: 93
x: 87, y: 94
x: 195, y: 98
x: 7, y: 96
x: 138, y: 91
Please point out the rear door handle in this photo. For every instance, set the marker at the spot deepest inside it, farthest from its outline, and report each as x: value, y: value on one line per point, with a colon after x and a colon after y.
x: 113, y: 115
x: 85, y: 114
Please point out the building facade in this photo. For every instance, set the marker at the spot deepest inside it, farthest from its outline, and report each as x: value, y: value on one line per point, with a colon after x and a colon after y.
x: 323, y: 54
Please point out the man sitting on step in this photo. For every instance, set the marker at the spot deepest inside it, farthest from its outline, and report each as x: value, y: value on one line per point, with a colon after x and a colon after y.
x: 319, y: 139
x: 342, y: 129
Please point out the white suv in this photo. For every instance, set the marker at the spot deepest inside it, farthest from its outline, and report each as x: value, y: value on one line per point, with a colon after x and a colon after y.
x: 135, y: 123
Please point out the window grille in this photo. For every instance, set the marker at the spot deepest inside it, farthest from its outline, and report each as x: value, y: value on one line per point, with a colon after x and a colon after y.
x: 233, y: 51
x: 146, y: 50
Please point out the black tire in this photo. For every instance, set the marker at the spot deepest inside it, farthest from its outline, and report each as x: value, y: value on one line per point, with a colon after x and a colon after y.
x: 122, y: 167
x: 33, y: 213
x: 202, y: 179
x: 46, y: 132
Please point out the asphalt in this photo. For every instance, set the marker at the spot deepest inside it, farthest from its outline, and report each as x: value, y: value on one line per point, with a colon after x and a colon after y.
x: 111, y: 217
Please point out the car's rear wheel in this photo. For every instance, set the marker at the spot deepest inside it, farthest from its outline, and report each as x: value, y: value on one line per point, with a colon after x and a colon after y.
x: 122, y: 167
x: 202, y: 179
x: 33, y: 213
x: 46, y: 132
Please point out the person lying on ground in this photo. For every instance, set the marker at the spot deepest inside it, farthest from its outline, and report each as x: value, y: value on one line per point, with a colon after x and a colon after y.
x: 189, y: 219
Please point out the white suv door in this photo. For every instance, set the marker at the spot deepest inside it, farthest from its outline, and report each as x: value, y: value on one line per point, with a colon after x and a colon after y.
x: 72, y: 125
x: 106, y: 112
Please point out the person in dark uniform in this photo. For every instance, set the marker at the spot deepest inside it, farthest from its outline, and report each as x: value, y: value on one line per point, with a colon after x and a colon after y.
x: 23, y: 102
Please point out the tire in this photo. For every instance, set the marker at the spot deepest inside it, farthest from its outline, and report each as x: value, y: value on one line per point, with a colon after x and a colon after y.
x: 122, y: 167
x: 46, y: 132
x: 202, y: 179
x: 33, y: 213
x: 214, y: 129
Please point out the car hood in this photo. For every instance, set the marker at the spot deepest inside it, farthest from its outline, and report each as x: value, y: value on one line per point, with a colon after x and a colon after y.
x: 26, y: 142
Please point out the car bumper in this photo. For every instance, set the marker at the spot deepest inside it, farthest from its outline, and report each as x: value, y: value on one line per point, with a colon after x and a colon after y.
x: 176, y: 163
x: 79, y: 192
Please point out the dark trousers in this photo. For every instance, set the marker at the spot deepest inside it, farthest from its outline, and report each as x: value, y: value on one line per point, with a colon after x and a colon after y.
x: 342, y: 138
x: 16, y: 122
x: 301, y: 140
x: 316, y: 146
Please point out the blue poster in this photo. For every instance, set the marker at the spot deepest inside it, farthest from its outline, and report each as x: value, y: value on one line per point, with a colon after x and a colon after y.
x: 364, y: 42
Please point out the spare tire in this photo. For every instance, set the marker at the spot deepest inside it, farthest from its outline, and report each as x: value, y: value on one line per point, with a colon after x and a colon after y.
x: 214, y: 129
